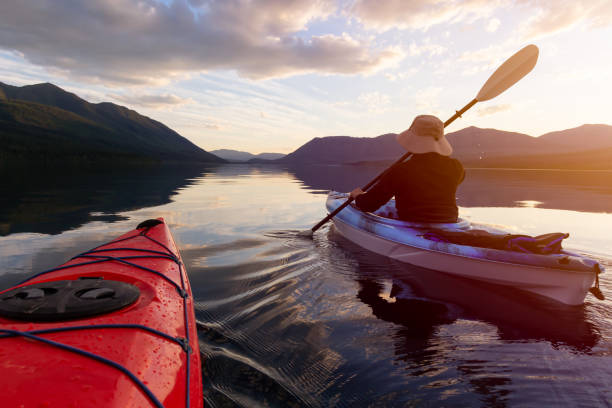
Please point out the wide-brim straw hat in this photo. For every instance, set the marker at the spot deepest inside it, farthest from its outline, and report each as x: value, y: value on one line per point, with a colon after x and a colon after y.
x: 425, y: 135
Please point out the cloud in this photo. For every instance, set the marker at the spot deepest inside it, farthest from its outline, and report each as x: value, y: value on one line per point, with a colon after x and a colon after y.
x: 486, y: 59
x: 152, y: 42
x: 490, y: 110
x: 549, y: 16
x: 212, y: 126
x: 14, y: 70
x: 493, y: 25
x: 426, y: 48
x: 426, y: 100
x: 199, y: 124
x: 374, y: 102
x: 401, y: 75
x: 419, y: 14
x: 144, y: 42
x: 151, y: 101
x: 553, y: 16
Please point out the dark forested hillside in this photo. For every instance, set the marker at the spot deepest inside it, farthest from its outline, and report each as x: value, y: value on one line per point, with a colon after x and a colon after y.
x: 45, y: 123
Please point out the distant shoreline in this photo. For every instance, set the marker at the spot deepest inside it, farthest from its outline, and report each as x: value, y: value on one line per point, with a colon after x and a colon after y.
x: 386, y: 164
x: 465, y: 165
x: 126, y: 161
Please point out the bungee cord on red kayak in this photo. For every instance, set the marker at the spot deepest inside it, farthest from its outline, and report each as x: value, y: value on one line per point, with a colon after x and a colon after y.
x: 121, y: 259
x: 181, y: 342
x: 184, y: 343
x: 94, y: 356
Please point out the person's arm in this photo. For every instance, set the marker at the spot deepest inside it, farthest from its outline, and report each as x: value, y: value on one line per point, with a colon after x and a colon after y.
x: 376, y: 196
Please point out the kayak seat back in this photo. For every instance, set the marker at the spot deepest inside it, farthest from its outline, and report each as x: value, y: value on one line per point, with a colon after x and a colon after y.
x: 388, y: 215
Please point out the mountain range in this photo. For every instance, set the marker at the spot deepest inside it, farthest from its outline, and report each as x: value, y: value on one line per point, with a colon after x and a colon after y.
x: 584, y: 147
x: 44, y: 123
x: 240, y: 156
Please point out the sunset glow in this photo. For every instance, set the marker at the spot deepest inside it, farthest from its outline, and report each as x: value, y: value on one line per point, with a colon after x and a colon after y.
x: 268, y: 76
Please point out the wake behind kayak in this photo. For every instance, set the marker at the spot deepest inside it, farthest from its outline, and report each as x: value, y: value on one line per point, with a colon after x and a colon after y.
x: 114, y: 326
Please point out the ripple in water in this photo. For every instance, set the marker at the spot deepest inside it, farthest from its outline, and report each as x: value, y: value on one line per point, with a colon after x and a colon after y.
x: 292, y: 322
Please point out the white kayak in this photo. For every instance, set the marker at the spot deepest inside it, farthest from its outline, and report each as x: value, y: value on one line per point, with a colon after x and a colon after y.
x: 565, y: 276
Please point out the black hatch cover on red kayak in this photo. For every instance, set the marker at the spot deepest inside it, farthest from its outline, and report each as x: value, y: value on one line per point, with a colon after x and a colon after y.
x: 66, y: 299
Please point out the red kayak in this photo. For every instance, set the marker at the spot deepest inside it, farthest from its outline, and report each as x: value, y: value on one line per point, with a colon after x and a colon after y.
x: 112, y: 327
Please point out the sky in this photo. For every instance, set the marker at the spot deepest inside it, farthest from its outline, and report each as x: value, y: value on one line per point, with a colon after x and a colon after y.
x: 270, y: 75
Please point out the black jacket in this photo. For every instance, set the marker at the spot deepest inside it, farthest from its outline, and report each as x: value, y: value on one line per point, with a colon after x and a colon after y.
x: 424, y: 188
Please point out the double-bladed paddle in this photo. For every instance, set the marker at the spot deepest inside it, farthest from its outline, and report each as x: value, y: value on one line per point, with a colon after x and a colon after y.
x: 508, y: 73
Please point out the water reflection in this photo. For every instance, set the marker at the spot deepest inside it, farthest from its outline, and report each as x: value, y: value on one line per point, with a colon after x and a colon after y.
x: 447, y: 329
x: 51, y: 201
x: 54, y: 200
x: 423, y: 299
x: 528, y: 203
x: 589, y: 191
x: 285, y: 321
x: 567, y: 190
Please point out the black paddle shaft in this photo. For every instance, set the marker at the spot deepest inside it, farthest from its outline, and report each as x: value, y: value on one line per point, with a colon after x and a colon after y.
x: 365, y: 188
x: 401, y: 159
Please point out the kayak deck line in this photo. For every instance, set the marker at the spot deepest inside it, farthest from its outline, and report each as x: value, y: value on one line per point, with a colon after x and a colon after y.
x: 180, y: 341
x: 93, y: 356
x: 98, y: 258
x: 164, y: 255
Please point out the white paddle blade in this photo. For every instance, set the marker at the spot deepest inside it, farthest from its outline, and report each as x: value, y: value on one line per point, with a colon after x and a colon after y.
x: 509, y: 73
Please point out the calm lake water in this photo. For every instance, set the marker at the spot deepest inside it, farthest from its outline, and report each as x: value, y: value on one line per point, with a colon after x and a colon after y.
x: 291, y: 322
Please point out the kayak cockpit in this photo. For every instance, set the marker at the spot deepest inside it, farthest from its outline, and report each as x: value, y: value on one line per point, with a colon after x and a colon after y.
x: 387, y: 214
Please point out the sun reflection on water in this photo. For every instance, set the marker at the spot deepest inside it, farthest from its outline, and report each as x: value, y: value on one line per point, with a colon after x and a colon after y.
x: 528, y: 203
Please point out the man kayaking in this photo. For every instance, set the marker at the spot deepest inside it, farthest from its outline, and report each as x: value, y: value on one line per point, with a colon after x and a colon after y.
x: 425, y: 185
